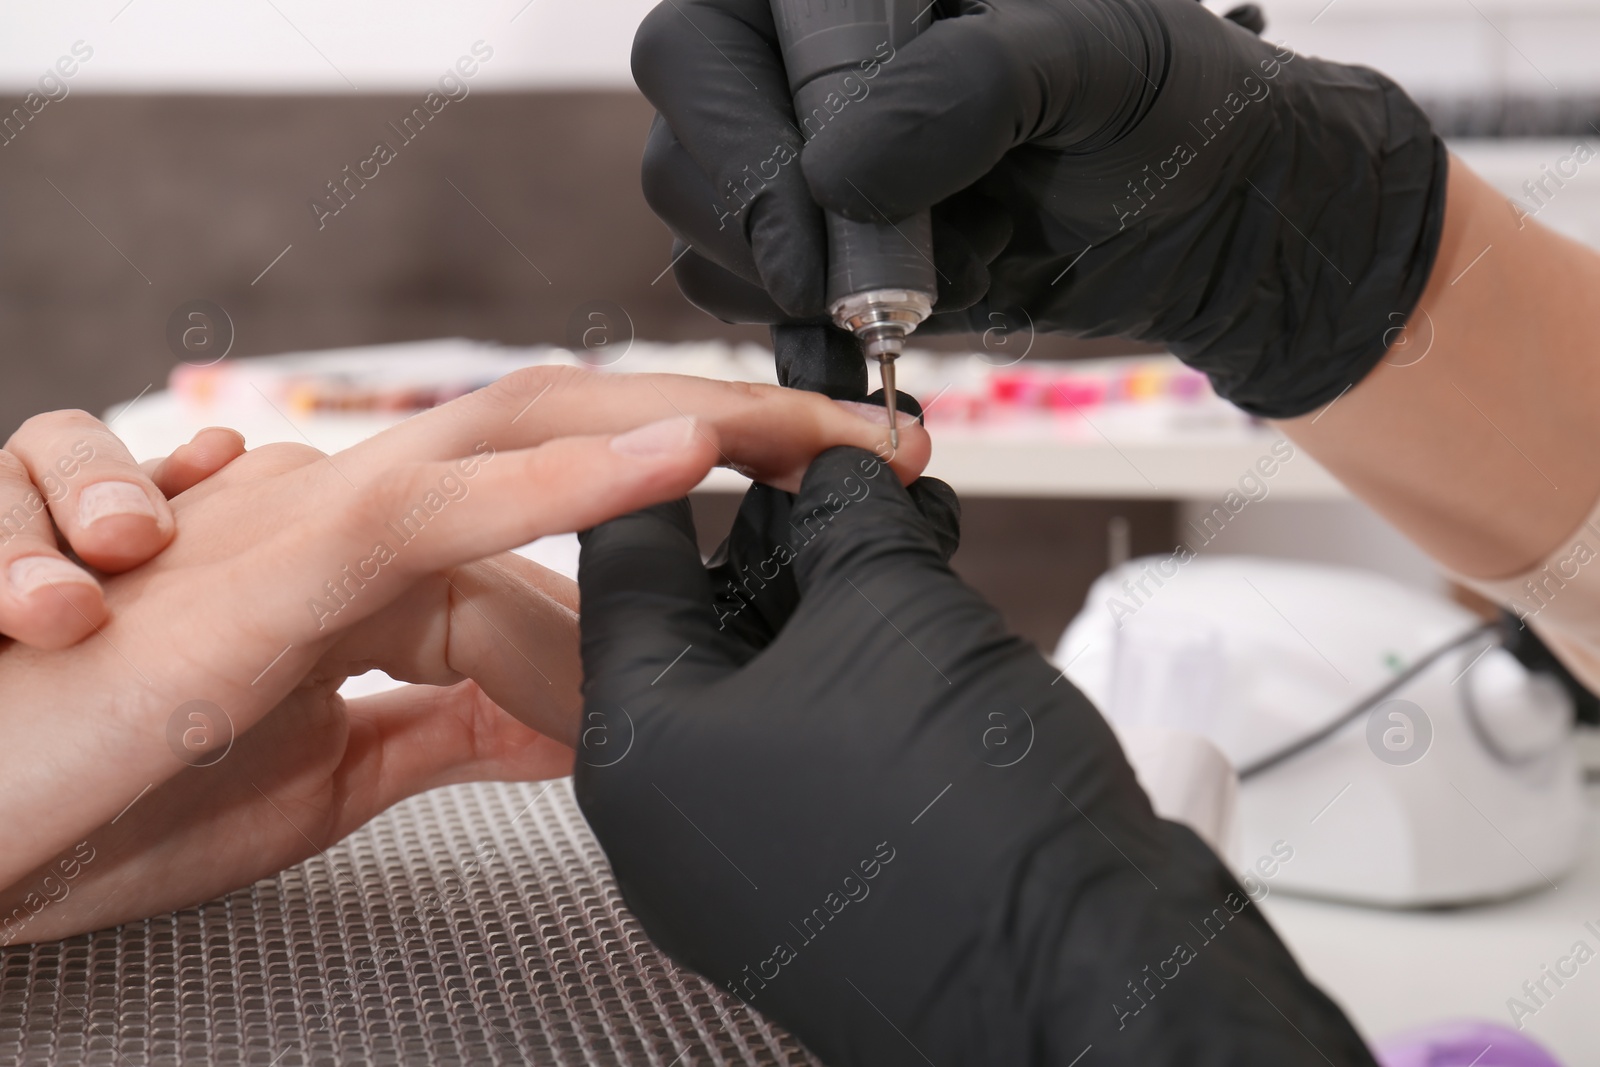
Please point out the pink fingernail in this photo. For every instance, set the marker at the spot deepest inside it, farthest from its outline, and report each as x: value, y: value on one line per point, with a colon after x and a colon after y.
x: 656, y: 439
x: 875, y: 413
x: 31, y: 573
x: 104, y: 500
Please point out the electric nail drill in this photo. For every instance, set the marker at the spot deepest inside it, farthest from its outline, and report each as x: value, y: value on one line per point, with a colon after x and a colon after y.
x: 881, y: 278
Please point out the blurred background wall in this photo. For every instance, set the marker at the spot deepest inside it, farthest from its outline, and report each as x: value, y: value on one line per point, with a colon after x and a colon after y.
x: 184, y: 159
x: 183, y: 154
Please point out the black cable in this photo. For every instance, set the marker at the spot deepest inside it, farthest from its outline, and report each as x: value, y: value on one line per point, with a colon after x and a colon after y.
x: 1383, y: 692
x: 1523, y: 642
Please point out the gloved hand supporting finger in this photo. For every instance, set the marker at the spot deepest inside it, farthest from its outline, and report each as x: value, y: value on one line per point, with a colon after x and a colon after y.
x: 855, y: 518
x: 647, y: 608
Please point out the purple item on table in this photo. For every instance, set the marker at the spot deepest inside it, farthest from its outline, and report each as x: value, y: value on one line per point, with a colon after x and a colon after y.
x: 1465, y: 1043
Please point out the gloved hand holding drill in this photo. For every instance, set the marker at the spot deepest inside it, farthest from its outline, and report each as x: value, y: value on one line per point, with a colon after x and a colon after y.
x: 1139, y: 168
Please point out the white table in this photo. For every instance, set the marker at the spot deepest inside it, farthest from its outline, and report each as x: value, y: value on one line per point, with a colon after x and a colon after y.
x: 1110, y: 453
x: 1393, y: 970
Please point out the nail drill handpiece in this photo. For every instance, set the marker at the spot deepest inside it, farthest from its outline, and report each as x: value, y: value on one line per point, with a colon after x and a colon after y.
x: 881, y: 278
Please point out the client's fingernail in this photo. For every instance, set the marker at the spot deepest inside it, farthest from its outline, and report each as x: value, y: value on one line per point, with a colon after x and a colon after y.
x: 36, y: 572
x: 229, y: 430
x: 656, y: 439
x: 875, y: 413
x: 103, y: 500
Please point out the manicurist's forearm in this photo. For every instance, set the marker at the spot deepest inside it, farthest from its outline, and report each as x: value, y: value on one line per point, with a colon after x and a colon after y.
x: 1477, y: 434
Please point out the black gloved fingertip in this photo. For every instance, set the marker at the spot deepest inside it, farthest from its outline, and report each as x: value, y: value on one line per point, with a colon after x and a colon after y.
x: 1250, y: 16
x: 942, y: 508
x: 903, y: 402
x: 678, y: 514
x: 819, y: 358
x: 790, y: 248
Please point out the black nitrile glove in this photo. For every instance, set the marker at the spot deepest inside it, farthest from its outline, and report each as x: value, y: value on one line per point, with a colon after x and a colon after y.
x: 830, y: 781
x: 823, y: 360
x: 1139, y: 168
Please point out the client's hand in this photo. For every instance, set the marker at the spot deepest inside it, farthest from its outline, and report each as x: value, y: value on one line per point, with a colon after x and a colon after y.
x: 64, y: 476
x: 829, y: 780
x: 198, y: 742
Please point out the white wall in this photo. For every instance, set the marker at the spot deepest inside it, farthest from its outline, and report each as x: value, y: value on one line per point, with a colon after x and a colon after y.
x: 1343, y: 532
x: 1449, y: 46
x: 274, y: 45
x: 1428, y: 45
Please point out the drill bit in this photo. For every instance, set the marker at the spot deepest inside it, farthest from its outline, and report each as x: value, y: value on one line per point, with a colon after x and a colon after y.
x: 886, y: 370
x: 881, y: 319
x: 883, y: 341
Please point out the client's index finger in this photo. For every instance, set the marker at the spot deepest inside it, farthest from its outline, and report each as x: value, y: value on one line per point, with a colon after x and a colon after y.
x: 768, y: 433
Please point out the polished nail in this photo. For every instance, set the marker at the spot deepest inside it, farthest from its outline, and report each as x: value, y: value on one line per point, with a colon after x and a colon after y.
x: 35, y: 572
x: 657, y: 439
x: 106, y: 499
